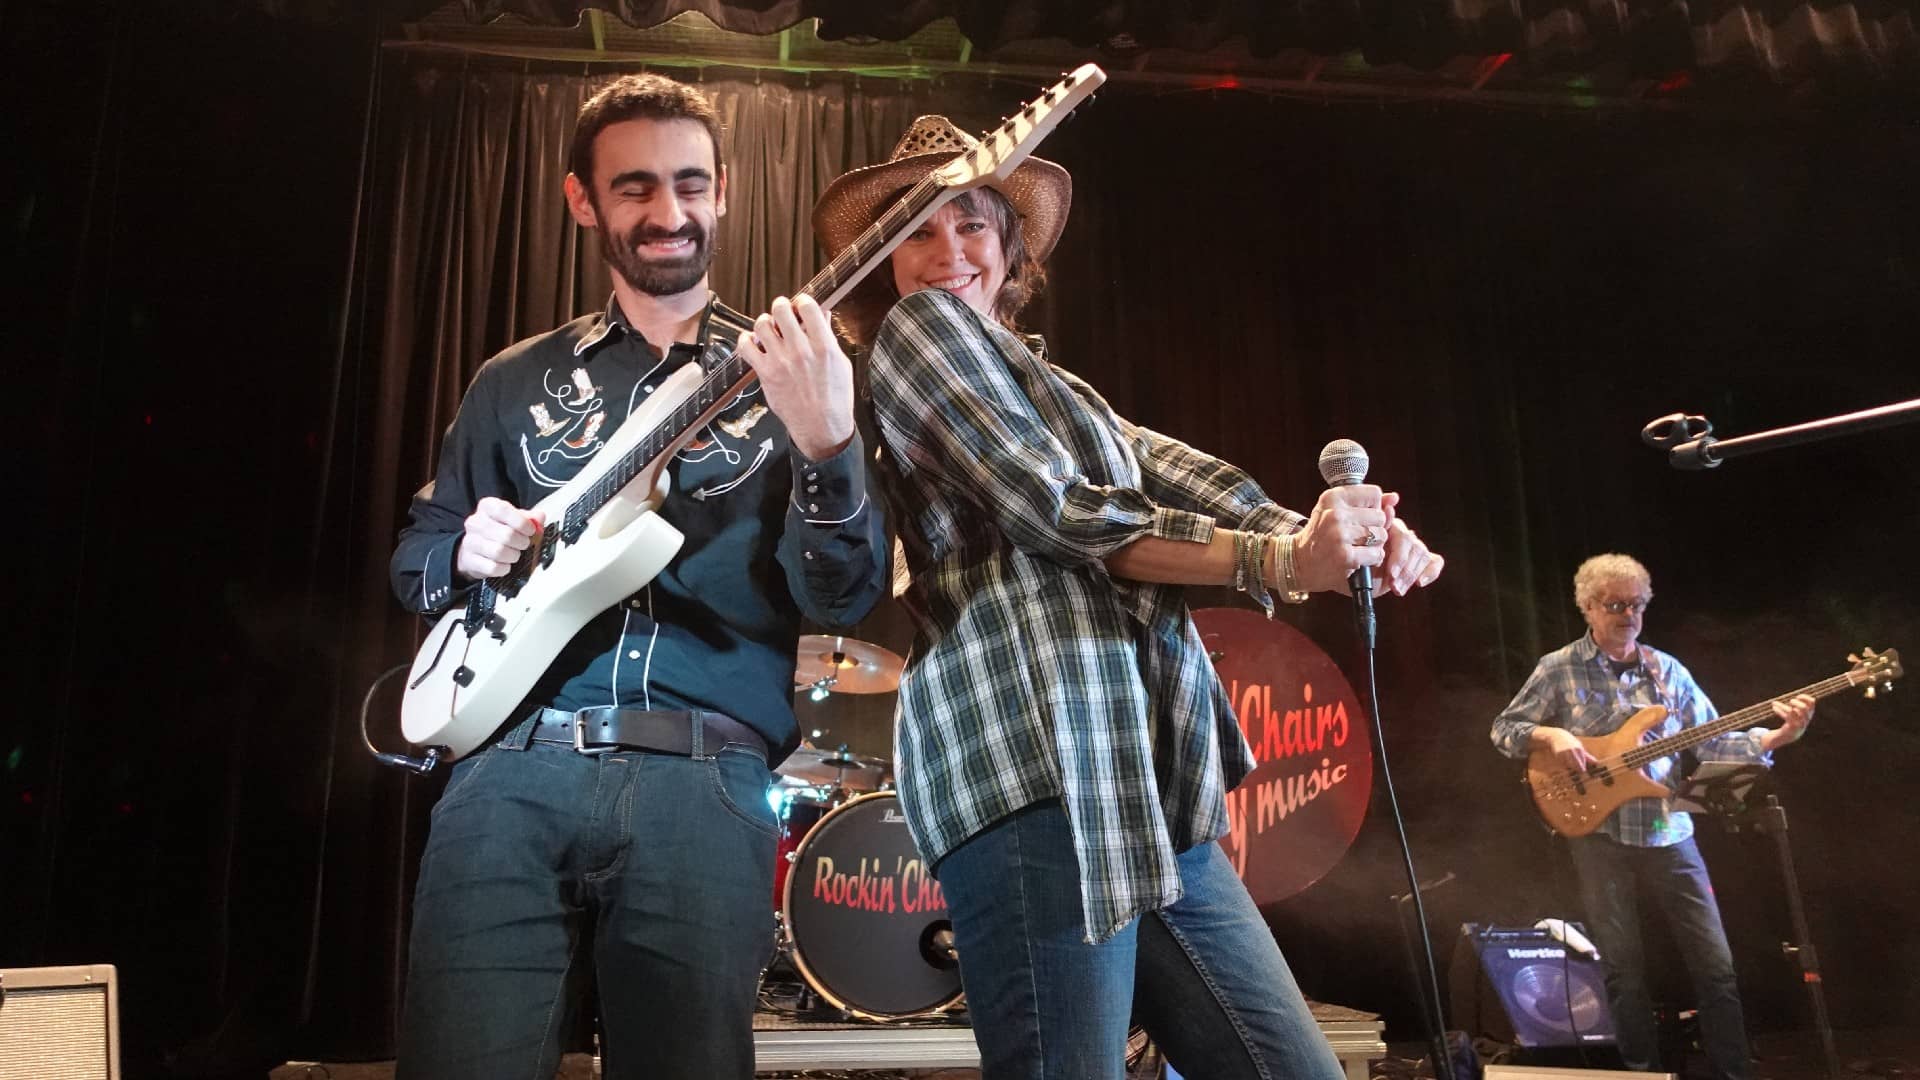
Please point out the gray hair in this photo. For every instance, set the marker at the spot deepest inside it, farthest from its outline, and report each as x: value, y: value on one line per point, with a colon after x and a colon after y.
x: 1603, y: 569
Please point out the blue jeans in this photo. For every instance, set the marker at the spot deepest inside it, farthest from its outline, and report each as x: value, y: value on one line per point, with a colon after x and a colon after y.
x: 1204, y: 977
x: 1611, y: 876
x: 647, y: 875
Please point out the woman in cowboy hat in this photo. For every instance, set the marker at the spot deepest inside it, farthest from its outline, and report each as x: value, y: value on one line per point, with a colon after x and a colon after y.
x: 1063, y: 745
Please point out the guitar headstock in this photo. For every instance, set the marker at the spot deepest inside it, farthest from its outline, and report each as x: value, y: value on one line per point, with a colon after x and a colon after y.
x: 1875, y: 670
x: 1003, y: 149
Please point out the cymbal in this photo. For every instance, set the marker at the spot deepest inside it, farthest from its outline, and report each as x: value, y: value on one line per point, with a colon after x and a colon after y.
x: 811, y: 765
x: 847, y: 665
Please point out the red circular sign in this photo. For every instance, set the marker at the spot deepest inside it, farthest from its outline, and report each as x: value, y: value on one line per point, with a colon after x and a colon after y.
x: 1296, y: 814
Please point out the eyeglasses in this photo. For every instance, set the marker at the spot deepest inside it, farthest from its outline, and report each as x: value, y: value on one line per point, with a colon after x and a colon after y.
x: 1616, y: 607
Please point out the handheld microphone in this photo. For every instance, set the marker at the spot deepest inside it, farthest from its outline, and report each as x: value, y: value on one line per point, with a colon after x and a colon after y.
x: 1343, y: 463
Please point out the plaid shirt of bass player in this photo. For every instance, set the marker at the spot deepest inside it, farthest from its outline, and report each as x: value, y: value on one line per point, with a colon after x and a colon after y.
x: 1574, y: 687
x: 1034, y: 674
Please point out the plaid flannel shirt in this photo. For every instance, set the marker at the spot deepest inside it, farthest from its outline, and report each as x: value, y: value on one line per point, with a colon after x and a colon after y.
x: 1034, y: 674
x: 1575, y: 688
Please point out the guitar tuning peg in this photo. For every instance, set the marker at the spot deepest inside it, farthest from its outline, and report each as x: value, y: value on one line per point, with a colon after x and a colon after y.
x: 1873, y: 692
x: 1853, y: 658
x: 1870, y: 653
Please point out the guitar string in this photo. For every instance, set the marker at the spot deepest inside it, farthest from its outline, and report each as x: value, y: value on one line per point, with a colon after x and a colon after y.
x: 862, y: 251
x: 716, y: 383
x: 1569, y: 782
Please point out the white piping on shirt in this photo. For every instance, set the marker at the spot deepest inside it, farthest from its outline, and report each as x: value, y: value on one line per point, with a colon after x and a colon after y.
x: 841, y: 521
x: 766, y: 447
x: 619, y: 654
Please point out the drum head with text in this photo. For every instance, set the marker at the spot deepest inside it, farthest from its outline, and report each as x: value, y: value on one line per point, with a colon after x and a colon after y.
x: 868, y: 921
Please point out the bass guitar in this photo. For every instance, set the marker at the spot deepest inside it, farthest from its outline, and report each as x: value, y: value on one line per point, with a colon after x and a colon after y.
x: 1575, y: 802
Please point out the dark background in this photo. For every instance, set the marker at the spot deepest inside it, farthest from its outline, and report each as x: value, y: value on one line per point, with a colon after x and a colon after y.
x: 1493, y: 301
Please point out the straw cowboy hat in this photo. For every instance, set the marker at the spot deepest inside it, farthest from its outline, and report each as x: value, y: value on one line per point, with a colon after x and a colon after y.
x: 1039, y: 190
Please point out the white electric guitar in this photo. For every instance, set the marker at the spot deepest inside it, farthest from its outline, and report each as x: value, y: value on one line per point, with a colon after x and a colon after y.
x: 603, y: 539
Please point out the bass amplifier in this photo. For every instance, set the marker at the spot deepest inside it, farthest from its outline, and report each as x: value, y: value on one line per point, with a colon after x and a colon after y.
x: 60, y: 1023
x: 1519, y: 985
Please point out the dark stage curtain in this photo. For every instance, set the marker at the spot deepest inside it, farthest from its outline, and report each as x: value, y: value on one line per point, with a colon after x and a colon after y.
x: 1492, y: 302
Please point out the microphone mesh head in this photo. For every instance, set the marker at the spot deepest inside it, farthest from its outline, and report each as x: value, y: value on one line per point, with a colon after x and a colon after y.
x: 1343, y: 462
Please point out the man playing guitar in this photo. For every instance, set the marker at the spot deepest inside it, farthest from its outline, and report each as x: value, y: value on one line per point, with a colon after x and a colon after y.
x: 615, y: 828
x: 1591, y: 687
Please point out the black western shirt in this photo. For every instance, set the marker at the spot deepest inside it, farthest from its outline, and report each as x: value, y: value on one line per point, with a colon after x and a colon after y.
x: 770, y: 536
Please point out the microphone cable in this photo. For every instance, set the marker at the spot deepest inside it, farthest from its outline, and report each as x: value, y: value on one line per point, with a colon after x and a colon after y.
x: 1428, y: 990
x: 1343, y: 463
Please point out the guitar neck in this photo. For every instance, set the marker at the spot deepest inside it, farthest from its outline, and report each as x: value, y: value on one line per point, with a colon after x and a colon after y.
x: 1733, y: 721
x: 727, y: 373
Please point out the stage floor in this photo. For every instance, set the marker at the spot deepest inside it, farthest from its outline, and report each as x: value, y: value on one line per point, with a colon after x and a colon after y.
x: 784, y: 1043
x: 1886, y: 1054
x: 927, y: 1049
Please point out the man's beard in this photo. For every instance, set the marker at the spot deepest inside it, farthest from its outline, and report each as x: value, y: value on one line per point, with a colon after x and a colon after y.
x: 656, y: 277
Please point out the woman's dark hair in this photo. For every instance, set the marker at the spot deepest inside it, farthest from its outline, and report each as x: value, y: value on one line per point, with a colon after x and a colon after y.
x: 861, y: 311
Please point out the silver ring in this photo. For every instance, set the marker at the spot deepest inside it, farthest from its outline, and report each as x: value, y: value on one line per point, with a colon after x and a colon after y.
x: 1369, y: 541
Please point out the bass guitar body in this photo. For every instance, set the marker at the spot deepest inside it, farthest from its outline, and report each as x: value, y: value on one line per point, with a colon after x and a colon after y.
x: 1574, y: 803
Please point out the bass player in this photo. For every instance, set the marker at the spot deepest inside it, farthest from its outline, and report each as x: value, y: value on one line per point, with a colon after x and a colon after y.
x: 1590, y: 687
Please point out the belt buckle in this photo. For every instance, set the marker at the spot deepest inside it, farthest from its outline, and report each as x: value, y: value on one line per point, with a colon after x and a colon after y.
x: 580, y: 740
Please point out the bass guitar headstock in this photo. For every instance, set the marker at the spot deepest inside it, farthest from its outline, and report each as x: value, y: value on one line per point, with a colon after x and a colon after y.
x: 1875, y: 671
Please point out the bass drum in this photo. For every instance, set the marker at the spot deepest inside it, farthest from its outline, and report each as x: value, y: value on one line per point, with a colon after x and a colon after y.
x: 867, y: 923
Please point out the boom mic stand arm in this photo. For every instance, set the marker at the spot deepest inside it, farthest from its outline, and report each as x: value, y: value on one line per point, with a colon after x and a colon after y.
x: 1689, y: 442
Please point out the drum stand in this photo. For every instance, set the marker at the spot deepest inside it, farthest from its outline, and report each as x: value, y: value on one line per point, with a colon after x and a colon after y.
x: 1726, y: 792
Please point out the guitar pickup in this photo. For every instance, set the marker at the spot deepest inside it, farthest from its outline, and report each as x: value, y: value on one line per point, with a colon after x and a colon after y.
x: 479, y: 609
x: 1596, y: 771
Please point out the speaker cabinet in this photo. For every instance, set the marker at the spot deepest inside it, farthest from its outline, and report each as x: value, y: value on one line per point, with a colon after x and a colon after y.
x: 1520, y: 986
x: 59, y: 1023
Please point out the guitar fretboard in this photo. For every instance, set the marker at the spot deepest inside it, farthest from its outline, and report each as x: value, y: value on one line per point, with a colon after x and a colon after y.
x: 1747, y: 717
x: 726, y: 374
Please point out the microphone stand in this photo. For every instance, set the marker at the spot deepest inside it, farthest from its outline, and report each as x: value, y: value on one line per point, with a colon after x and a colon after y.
x: 1689, y: 442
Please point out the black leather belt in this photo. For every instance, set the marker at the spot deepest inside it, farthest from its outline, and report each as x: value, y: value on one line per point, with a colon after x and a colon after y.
x: 660, y: 731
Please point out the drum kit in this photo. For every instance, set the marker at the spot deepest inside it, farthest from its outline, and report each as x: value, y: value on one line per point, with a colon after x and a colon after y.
x: 860, y: 920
